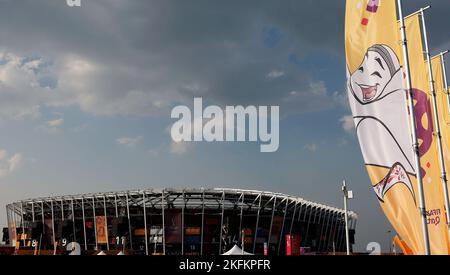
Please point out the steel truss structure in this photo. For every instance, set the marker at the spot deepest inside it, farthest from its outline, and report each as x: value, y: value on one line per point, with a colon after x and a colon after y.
x: 202, y: 221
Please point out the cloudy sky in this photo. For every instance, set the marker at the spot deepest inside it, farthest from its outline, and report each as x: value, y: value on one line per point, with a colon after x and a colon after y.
x: 86, y: 95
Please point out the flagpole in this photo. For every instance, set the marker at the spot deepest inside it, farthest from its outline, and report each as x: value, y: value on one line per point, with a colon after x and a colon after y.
x: 415, y: 142
x: 447, y: 92
x: 417, y: 12
x: 346, y: 197
x: 441, y: 56
x: 436, y: 121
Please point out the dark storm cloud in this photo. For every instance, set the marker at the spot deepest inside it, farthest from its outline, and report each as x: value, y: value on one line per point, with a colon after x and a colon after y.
x: 141, y: 57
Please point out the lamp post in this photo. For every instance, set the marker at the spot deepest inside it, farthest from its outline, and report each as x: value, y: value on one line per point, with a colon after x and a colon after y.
x: 242, y: 240
x: 348, y: 194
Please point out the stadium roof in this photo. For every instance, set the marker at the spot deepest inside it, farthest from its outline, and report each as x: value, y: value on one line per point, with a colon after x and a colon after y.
x: 168, y: 191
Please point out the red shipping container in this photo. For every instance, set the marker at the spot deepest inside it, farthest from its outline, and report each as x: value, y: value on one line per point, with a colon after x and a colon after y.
x: 288, y: 245
x: 295, y: 244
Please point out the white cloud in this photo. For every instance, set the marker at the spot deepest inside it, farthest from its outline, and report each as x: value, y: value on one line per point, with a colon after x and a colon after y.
x: 342, y: 142
x: 312, y: 97
x: 14, y: 162
x: 318, y: 88
x: 21, y: 88
x: 28, y: 84
x: 347, y: 124
x: 275, y: 74
x: 311, y: 147
x: 129, y: 141
x: 99, y: 88
x: 3, y: 154
x: 178, y: 148
x: 141, y: 75
x: 9, y: 164
x: 53, y: 126
x: 55, y: 122
x: 102, y: 89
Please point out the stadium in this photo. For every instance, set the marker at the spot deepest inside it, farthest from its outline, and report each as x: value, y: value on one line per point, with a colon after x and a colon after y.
x: 176, y: 222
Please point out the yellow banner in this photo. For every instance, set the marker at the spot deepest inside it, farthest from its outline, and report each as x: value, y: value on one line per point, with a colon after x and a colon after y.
x: 403, y: 246
x: 375, y: 85
x: 443, y: 109
x: 426, y: 133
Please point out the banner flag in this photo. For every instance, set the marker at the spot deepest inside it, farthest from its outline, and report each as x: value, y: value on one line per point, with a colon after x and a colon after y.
x: 403, y: 246
x: 378, y: 100
x: 443, y: 109
x: 173, y: 227
x: 426, y: 133
x: 100, y: 222
x: 13, y: 232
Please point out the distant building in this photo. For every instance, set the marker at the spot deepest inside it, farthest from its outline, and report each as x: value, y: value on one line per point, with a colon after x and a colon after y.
x: 176, y: 222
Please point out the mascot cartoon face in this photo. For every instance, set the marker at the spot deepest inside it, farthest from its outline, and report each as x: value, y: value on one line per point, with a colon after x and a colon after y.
x: 369, y: 81
x: 377, y: 97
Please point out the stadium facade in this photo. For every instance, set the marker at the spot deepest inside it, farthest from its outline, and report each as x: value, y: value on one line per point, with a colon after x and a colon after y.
x: 177, y: 222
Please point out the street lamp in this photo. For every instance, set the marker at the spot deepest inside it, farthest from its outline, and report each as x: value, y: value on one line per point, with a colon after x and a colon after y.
x: 348, y: 194
x: 242, y: 240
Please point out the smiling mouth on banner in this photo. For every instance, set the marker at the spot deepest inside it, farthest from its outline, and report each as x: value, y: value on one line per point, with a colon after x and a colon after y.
x: 368, y: 92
